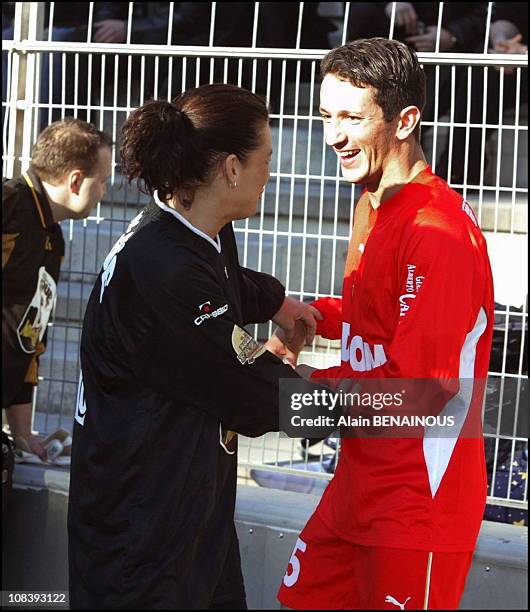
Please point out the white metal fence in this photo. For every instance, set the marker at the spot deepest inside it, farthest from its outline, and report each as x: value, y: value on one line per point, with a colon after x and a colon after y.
x: 302, y: 229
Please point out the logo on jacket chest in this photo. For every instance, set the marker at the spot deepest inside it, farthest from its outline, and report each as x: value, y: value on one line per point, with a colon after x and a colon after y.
x: 412, y: 286
x: 207, y: 312
x: 361, y: 356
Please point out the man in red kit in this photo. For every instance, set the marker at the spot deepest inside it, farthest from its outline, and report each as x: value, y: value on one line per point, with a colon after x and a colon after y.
x: 397, y: 525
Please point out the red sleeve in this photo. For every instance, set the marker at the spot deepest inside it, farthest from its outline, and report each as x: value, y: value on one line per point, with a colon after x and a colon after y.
x: 439, y: 313
x: 331, y: 325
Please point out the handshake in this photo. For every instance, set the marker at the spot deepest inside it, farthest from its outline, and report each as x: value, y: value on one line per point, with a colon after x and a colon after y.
x: 297, y: 324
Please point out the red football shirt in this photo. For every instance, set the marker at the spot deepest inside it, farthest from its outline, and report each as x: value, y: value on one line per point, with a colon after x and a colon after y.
x: 417, y: 302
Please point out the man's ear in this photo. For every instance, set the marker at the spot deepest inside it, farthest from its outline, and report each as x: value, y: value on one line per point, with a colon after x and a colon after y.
x: 409, y: 118
x: 75, y: 179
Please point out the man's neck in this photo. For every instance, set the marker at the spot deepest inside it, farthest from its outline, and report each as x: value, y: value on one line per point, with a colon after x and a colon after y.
x: 57, y: 200
x: 399, y: 171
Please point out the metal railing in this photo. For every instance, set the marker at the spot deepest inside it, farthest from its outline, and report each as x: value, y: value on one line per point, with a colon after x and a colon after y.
x: 302, y: 230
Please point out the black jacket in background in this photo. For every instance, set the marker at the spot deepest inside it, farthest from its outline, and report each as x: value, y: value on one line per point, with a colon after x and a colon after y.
x: 32, y: 251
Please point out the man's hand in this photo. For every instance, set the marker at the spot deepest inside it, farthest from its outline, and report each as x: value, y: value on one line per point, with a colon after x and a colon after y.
x: 19, y: 420
x: 288, y: 350
x: 292, y: 311
x: 406, y: 16
x: 31, y: 444
x: 277, y: 346
x: 427, y: 42
x: 508, y: 46
x: 511, y: 45
x: 110, y: 31
x: 295, y: 341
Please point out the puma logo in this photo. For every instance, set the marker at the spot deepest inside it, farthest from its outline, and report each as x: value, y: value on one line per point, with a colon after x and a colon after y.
x: 395, y: 602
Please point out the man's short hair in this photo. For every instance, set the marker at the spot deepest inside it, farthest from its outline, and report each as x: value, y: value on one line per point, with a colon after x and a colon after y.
x: 388, y: 66
x: 67, y: 145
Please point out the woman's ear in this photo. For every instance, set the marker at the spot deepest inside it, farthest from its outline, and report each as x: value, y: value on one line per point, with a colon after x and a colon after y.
x: 232, y: 169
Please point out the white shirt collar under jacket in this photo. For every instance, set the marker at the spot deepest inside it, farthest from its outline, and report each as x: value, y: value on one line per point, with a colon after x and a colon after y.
x: 215, y: 243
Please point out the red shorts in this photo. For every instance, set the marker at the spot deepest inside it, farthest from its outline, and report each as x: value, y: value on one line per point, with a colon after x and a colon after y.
x: 328, y: 573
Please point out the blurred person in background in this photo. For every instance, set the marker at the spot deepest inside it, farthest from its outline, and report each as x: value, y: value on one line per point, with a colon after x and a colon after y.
x: 463, y: 28
x: 69, y: 78
x: 277, y: 27
x: 190, y: 26
x: 416, y: 23
x: 508, y: 35
x: 67, y: 177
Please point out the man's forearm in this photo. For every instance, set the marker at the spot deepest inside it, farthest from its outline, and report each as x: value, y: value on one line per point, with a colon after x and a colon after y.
x: 19, y: 419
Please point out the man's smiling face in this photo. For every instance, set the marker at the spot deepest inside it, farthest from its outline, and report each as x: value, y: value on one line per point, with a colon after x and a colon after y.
x: 354, y: 125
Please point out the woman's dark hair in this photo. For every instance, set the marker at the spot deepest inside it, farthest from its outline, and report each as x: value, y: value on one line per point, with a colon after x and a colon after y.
x: 174, y: 147
x: 390, y: 67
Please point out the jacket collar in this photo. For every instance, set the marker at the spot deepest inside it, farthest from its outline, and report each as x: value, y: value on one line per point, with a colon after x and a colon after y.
x: 40, y: 198
x: 216, y: 243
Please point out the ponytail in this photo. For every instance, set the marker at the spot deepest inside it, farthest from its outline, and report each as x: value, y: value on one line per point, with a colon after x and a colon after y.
x: 175, y: 147
x: 159, y: 151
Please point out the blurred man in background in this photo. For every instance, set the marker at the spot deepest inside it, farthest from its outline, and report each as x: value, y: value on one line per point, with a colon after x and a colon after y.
x: 71, y: 163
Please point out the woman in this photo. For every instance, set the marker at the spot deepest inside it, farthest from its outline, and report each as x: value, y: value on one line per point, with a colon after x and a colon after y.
x: 168, y: 372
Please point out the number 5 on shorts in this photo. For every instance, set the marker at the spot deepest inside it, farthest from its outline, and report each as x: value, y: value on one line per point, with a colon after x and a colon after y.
x: 294, y: 562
